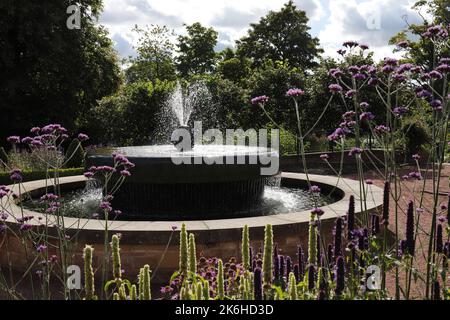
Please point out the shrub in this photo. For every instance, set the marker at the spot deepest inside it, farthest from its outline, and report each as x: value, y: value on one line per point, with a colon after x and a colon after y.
x: 29, y: 175
x: 37, y: 159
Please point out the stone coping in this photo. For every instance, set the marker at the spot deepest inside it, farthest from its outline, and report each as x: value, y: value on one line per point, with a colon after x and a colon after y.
x: 333, y: 210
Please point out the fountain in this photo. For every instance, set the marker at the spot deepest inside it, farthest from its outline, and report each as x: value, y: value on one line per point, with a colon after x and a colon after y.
x: 174, y: 184
x: 179, y: 181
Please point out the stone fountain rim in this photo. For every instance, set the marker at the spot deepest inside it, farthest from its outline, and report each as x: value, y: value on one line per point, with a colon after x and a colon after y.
x: 332, y: 211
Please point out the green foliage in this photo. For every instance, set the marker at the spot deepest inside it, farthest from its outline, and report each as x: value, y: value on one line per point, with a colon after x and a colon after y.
x: 48, y: 72
x: 196, y: 50
x: 119, y: 119
x: 39, y: 175
x: 155, y: 56
x: 74, y: 155
x: 416, y: 134
x: 88, y: 273
x: 183, y: 250
x: 268, y: 255
x: 274, y: 78
x: 281, y: 36
x: 288, y: 142
x: 37, y: 159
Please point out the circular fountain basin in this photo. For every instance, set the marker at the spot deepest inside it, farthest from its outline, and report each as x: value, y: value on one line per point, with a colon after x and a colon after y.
x: 156, y: 243
x: 207, y: 182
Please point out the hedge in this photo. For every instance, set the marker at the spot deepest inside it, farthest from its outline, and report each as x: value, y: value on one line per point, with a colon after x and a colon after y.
x: 39, y: 175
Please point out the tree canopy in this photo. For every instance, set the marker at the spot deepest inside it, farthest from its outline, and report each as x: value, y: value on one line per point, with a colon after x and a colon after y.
x: 48, y: 72
x: 281, y: 36
x: 196, y: 50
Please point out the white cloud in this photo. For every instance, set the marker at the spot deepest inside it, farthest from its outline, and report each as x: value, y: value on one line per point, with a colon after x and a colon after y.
x: 231, y: 18
x: 333, y: 21
x: 371, y: 22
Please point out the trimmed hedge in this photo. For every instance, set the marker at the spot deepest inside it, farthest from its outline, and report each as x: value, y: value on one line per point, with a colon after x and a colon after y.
x: 39, y: 175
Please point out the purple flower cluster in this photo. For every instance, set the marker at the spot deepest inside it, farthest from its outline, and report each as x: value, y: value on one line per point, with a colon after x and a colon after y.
x: 16, y: 175
x: 294, y: 92
x: 355, y: 151
x: 260, y: 100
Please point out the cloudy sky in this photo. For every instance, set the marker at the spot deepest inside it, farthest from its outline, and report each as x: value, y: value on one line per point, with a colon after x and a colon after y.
x: 333, y: 21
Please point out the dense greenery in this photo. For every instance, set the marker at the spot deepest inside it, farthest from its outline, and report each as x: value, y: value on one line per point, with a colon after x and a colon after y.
x: 29, y: 175
x: 277, y: 53
x: 49, y: 73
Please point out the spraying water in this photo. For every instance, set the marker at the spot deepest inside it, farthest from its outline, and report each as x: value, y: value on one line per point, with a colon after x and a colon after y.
x: 185, y: 104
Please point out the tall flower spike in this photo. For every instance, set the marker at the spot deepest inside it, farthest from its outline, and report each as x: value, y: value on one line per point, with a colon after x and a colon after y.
x: 183, y: 250
x: 292, y: 287
x: 146, y: 293
x: 312, y: 243
x: 439, y: 243
x: 375, y: 224
x: 351, y: 217
x: 268, y: 253
x: 257, y: 284
x: 199, y: 291
x: 122, y: 292
x: 206, y: 295
x: 410, y: 240
x: 282, y: 269
x: 288, y: 265
x: 88, y: 273
x: 220, y: 281
x: 276, y: 267
x: 117, y: 266
x: 338, y: 238
x: 300, y: 260
x: 245, y: 248
x: 192, y: 254
x: 133, y: 292
x: 330, y: 254
x: 340, y: 276
x: 319, y: 251
x: 386, y: 203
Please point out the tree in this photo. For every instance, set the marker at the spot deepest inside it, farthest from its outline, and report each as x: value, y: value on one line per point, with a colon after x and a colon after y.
x: 274, y: 79
x: 232, y: 67
x: 281, y: 36
x: 155, y: 55
x: 49, y: 73
x: 129, y: 117
x: 196, y: 50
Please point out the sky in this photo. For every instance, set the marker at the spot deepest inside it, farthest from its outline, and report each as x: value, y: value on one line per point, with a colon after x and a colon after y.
x: 372, y: 22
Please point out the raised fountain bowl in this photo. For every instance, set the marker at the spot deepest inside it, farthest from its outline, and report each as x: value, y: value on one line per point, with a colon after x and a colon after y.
x: 207, y: 182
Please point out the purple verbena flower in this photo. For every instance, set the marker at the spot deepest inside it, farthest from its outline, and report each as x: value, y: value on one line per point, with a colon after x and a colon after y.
x: 13, y: 139
x: 295, y: 92
x: 334, y: 88
x: 260, y: 100
x: 83, y: 137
